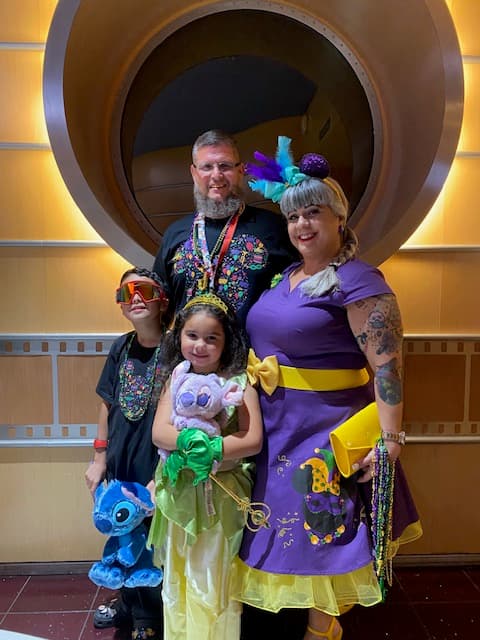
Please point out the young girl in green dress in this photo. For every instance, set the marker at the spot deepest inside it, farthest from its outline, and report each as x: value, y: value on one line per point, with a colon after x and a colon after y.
x: 196, y: 546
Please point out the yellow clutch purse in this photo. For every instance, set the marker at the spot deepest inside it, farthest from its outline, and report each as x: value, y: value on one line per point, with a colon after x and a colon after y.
x: 354, y: 438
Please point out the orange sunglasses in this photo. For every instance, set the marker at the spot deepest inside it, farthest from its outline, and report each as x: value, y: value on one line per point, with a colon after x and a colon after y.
x: 148, y: 291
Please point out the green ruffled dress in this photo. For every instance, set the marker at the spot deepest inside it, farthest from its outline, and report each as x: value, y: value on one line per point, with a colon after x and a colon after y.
x: 196, y: 533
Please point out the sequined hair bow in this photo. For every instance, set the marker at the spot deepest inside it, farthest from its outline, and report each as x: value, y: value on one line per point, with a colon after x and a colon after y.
x: 274, y: 175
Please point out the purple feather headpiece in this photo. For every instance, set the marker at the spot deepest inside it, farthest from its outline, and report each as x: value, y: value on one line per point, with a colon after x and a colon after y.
x: 274, y: 175
x: 270, y: 169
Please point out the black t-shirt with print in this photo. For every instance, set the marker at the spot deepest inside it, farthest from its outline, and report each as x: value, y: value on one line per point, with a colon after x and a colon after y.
x: 259, y: 249
x: 131, y: 455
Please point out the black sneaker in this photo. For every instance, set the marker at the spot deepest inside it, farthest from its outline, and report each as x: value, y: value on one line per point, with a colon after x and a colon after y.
x: 111, y: 614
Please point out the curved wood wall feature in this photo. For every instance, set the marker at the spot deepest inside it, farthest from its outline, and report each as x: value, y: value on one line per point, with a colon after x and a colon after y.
x: 411, y: 91
x: 193, y: 82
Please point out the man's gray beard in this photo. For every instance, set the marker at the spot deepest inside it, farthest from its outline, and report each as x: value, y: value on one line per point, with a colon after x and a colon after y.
x: 216, y: 209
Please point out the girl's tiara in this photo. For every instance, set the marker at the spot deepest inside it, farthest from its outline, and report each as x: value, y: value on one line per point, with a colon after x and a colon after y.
x: 210, y: 299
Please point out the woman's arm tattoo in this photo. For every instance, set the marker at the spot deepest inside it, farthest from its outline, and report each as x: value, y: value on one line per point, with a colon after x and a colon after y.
x: 388, y: 382
x: 383, y: 328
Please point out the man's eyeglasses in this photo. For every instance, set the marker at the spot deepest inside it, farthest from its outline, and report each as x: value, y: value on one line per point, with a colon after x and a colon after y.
x: 146, y: 290
x: 223, y: 167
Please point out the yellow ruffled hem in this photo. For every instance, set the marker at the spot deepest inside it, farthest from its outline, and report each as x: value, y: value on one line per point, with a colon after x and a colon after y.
x: 330, y: 594
x: 412, y: 532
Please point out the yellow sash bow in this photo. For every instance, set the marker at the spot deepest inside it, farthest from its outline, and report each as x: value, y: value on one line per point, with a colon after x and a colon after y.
x: 264, y: 371
x: 270, y: 374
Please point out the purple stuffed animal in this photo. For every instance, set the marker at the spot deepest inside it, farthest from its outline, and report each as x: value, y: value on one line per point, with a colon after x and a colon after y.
x: 198, y: 400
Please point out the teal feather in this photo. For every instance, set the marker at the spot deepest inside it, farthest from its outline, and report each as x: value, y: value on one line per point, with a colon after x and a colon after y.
x: 284, y: 155
x: 269, y: 190
x: 290, y: 174
x: 293, y: 175
x: 258, y: 185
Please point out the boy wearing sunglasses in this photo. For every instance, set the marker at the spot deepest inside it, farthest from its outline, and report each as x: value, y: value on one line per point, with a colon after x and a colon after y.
x: 129, y: 386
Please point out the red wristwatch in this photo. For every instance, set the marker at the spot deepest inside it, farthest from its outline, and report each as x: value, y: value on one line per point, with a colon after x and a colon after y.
x: 100, y: 445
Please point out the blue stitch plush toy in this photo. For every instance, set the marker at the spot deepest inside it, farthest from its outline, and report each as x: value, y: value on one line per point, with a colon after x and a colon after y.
x: 119, y: 510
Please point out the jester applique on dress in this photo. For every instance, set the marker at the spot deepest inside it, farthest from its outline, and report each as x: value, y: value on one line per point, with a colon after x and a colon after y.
x: 324, y: 499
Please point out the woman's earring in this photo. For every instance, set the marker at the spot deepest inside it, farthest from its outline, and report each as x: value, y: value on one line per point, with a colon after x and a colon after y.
x: 341, y: 229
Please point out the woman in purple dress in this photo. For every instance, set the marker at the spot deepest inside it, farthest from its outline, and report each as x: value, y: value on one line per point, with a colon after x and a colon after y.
x: 324, y: 320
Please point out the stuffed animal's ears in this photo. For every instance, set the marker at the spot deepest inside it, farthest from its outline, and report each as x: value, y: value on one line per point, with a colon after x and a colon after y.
x: 232, y: 394
x: 183, y: 367
x: 139, y: 495
x: 178, y: 373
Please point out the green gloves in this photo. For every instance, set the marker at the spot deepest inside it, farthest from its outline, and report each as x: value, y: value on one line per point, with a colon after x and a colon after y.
x: 195, y: 451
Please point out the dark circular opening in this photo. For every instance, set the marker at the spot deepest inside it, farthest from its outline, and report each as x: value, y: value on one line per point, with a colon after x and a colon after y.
x: 256, y: 75
x: 332, y: 78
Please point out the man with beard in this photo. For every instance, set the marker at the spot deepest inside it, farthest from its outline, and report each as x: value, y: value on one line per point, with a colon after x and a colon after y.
x: 225, y: 247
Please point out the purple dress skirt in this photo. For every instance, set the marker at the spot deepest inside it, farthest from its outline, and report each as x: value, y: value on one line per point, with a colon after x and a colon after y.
x: 317, y: 551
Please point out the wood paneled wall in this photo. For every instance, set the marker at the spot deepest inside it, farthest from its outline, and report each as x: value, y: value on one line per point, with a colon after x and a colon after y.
x: 58, y: 278
x: 50, y: 431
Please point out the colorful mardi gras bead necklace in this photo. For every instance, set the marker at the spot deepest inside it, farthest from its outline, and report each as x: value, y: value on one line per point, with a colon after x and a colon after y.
x: 382, y: 514
x: 211, y: 260
x: 136, y: 390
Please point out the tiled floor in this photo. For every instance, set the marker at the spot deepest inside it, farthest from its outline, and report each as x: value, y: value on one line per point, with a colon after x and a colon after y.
x: 423, y: 604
